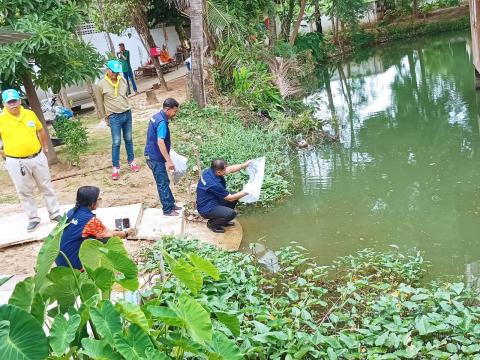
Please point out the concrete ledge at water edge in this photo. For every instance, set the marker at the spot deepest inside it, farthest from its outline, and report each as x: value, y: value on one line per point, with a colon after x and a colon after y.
x: 229, y: 241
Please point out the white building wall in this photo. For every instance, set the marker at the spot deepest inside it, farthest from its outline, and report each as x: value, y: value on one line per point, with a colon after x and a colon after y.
x: 133, y: 43
x: 172, y: 40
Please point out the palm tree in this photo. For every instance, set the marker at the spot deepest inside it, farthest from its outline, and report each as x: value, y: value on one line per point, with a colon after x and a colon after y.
x: 196, y: 18
x: 194, y: 10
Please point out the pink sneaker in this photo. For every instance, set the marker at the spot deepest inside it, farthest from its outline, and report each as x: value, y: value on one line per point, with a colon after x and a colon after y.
x: 134, y: 167
x: 115, y: 173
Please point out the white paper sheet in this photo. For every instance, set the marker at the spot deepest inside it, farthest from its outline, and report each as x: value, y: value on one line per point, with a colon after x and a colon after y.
x: 256, y: 171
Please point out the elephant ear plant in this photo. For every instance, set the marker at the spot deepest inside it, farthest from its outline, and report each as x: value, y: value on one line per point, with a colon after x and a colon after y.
x: 62, y: 313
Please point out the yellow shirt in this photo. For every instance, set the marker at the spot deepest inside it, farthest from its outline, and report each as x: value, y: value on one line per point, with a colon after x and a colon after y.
x: 19, y: 134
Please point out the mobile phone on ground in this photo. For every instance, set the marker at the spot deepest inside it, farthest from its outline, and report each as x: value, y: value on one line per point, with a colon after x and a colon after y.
x: 122, y: 224
x: 119, y: 224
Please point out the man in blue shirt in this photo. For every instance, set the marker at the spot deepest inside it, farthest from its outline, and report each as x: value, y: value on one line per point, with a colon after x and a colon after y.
x: 214, y: 201
x: 157, y: 153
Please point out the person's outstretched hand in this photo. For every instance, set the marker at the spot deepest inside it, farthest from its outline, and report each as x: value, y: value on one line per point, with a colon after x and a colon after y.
x: 246, y: 163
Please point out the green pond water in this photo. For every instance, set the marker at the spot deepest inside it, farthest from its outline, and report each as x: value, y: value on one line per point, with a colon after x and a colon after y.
x: 406, y: 172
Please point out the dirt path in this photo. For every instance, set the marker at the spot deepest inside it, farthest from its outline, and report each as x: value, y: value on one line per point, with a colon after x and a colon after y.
x: 131, y: 188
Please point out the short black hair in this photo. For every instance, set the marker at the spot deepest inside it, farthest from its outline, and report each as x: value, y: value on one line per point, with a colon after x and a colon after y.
x: 218, y: 164
x: 87, y: 196
x: 170, y: 103
x: 121, y: 44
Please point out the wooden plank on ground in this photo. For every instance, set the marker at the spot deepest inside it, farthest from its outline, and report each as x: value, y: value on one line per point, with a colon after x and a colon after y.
x: 14, y: 225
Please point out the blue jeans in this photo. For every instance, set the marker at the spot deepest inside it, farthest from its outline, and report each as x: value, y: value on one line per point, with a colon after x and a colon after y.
x: 121, y: 123
x: 129, y: 76
x: 160, y: 174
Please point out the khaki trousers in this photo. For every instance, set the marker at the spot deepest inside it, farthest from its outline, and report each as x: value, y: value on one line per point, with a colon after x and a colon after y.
x: 25, y: 174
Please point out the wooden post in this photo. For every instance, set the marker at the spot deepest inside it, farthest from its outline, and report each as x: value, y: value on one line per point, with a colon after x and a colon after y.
x: 196, y: 16
x: 37, y: 109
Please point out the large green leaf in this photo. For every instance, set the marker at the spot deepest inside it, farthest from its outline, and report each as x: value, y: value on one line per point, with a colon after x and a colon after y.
x: 39, y: 306
x: 175, y: 339
x: 154, y: 354
x: 205, y: 266
x: 190, y: 276
x: 230, y: 321
x: 106, y: 320
x: 23, y: 294
x: 91, y: 257
x: 92, y: 252
x: 21, y: 335
x: 63, y: 287
x: 165, y: 315
x: 63, y: 333
x: 195, y: 318
x: 48, y: 252
x: 99, y: 349
x: 134, y: 345
x: 133, y: 313
x: 103, y: 278
x: 112, y: 256
x: 222, y: 348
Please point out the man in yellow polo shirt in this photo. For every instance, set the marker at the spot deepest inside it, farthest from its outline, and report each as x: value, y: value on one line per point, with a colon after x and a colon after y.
x: 24, y: 138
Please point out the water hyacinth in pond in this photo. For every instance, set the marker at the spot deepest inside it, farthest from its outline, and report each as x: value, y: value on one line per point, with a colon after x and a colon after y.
x: 364, y: 306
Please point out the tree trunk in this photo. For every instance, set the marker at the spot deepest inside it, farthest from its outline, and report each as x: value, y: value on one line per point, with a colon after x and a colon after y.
x: 141, y: 25
x: 90, y: 90
x: 287, y: 22
x: 62, y: 94
x: 182, y: 35
x: 272, y: 31
x: 415, y: 9
x: 294, y: 34
x: 318, y: 18
x: 332, y: 18
x: 37, y: 109
x: 196, y: 18
x: 105, y: 27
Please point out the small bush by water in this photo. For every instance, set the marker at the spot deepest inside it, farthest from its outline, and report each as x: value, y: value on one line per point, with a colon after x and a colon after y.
x: 365, y: 306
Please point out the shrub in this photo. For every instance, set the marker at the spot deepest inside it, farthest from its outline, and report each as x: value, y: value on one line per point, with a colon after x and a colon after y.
x: 217, y: 133
x: 311, y: 41
x: 74, y: 135
x: 253, y: 88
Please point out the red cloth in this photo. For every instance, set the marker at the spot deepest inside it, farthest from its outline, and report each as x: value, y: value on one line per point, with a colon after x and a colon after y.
x: 94, y: 228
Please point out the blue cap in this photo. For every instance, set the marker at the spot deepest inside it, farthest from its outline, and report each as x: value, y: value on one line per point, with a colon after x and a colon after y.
x: 10, y: 94
x: 114, y: 65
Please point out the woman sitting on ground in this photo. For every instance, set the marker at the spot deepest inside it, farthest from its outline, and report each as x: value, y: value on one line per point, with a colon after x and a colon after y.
x: 82, y: 225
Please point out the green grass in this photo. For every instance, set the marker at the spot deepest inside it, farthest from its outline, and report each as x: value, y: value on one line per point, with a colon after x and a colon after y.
x: 220, y: 134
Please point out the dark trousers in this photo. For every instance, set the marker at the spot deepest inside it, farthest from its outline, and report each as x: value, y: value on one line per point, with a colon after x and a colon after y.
x: 128, y: 75
x: 160, y: 174
x: 221, y: 214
